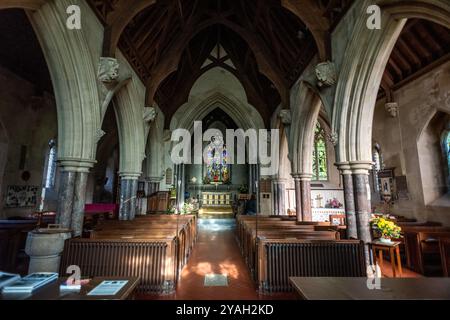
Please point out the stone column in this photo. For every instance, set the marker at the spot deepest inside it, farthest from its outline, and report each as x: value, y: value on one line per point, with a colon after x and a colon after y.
x: 349, y: 200
x: 72, y: 194
x: 305, y: 183
x: 250, y: 178
x: 279, y: 197
x: 258, y: 188
x: 128, y: 192
x: 65, y: 197
x: 274, y: 198
x: 298, y: 196
x: 361, y: 187
x: 79, y: 203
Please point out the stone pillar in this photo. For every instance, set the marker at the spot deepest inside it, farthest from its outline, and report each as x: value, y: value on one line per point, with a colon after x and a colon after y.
x: 250, y: 178
x: 305, y: 183
x: 274, y: 198
x: 298, y: 196
x: 79, y: 201
x: 65, y: 197
x: 361, y: 187
x: 349, y: 200
x: 258, y: 188
x: 128, y: 192
x: 279, y: 195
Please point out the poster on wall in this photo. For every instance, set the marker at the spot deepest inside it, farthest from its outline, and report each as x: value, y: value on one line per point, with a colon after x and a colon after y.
x: 21, y: 196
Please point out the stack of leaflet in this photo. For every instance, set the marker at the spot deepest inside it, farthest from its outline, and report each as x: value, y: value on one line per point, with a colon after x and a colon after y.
x: 30, y: 282
x: 7, y: 279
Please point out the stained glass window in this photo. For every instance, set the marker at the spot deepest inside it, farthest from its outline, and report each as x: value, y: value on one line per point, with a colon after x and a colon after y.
x: 217, y: 169
x: 320, y: 162
x: 51, y: 166
x: 447, y: 152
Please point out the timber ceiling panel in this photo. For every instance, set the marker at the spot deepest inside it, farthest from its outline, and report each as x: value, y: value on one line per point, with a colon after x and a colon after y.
x: 171, y: 41
x: 421, y: 46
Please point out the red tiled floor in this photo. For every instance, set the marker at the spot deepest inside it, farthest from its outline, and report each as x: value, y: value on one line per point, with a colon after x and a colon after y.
x: 217, y: 252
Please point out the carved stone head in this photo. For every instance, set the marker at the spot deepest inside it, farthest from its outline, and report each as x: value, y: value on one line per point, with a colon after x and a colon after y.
x: 285, y: 116
x: 326, y: 74
x: 108, y: 69
x: 392, y: 109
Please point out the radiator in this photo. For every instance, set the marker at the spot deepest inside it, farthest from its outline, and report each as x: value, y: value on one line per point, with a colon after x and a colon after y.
x: 279, y: 260
x: 154, y: 262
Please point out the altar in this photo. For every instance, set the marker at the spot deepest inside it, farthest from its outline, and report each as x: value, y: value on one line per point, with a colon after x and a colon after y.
x: 214, y: 199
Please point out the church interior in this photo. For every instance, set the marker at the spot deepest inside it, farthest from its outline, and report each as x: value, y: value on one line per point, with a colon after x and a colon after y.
x: 321, y: 130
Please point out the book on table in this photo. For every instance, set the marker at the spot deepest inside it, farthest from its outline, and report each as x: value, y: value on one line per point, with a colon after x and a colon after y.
x: 7, y: 279
x: 30, y: 282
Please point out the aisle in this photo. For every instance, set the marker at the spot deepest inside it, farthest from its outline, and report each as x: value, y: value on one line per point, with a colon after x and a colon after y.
x: 217, y: 252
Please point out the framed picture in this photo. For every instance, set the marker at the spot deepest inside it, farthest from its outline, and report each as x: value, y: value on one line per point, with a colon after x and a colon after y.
x: 21, y: 196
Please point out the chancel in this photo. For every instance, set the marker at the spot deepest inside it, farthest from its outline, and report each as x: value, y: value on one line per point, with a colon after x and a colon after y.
x: 208, y: 149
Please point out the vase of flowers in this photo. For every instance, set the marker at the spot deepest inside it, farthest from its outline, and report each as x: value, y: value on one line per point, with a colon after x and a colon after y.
x: 387, y: 229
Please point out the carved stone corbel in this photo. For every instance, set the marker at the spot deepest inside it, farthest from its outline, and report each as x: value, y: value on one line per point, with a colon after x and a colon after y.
x: 149, y: 114
x: 285, y: 116
x: 392, y: 109
x: 326, y: 74
x: 108, y: 70
x: 333, y: 137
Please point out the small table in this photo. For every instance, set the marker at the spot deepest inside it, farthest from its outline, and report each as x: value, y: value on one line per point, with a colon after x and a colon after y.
x: 52, y: 291
x: 331, y: 288
x: 394, y: 253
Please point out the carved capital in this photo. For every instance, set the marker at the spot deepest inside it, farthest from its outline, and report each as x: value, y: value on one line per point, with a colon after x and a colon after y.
x: 333, y: 137
x: 326, y: 74
x: 149, y: 114
x: 392, y: 109
x: 108, y: 70
x: 285, y: 116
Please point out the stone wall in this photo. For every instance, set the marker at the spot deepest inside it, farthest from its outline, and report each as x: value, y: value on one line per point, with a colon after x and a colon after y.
x: 28, y: 121
x: 410, y: 143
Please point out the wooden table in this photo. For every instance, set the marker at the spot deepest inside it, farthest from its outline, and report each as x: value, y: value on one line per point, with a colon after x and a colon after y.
x: 52, y: 291
x: 324, y: 288
x: 393, y: 250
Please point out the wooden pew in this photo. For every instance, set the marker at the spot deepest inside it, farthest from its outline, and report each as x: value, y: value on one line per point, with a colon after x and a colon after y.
x: 152, y: 260
x: 13, y: 234
x: 421, y: 244
x: 279, y: 259
x: 444, y: 249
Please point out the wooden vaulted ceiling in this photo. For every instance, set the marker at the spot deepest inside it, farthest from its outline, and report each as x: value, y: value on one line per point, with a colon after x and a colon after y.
x: 265, y: 45
x: 421, y: 46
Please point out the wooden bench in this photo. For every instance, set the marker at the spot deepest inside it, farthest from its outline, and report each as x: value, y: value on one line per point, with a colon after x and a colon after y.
x: 422, y: 246
x: 279, y: 259
x: 152, y: 260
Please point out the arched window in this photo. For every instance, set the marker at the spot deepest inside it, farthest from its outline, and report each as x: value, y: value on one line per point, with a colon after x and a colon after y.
x: 378, y: 165
x: 50, y: 171
x: 446, y: 145
x: 320, y: 163
x: 217, y: 169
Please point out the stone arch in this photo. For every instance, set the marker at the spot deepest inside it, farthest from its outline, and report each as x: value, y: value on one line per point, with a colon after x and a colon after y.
x: 245, y: 117
x: 129, y: 109
x: 362, y: 70
x: 73, y: 72
x: 22, y: 4
x: 307, y: 107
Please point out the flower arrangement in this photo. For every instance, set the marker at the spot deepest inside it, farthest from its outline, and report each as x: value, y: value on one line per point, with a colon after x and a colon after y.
x: 172, y: 210
x: 187, y: 208
x: 206, y: 180
x: 386, y: 228
x: 334, y: 204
